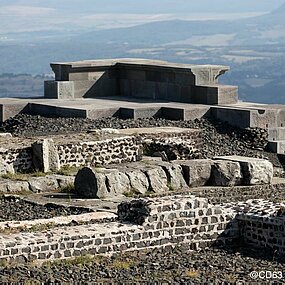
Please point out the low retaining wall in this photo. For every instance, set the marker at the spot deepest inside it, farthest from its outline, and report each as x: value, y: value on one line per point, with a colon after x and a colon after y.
x: 158, y: 222
x: 262, y: 224
x: 117, y: 150
x: 19, y: 158
x: 114, y: 150
x: 151, y: 223
x: 186, y: 145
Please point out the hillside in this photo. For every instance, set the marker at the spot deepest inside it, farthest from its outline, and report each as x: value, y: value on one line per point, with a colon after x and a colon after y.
x: 254, y: 48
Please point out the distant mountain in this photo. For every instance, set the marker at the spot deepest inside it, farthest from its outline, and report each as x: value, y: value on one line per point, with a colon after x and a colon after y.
x: 275, y: 17
x: 158, y: 32
x: 34, y: 56
x: 257, y: 30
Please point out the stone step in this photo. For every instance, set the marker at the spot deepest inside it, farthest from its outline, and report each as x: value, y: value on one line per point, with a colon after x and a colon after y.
x: 276, y: 134
x: 277, y: 146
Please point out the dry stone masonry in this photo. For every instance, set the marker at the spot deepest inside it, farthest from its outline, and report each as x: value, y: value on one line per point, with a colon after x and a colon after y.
x: 45, y: 156
x: 16, y: 159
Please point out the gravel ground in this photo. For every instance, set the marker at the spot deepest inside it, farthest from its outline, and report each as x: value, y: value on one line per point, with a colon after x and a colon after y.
x: 31, y: 211
x: 219, y: 195
x: 218, y: 138
x: 178, y: 266
x: 172, y: 266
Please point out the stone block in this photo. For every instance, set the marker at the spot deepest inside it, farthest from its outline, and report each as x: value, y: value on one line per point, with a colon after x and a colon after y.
x: 138, y: 181
x: 58, y: 89
x: 42, y: 109
x: 8, y: 111
x: 226, y: 173
x: 5, y: 135
x: 90, y: 184
x: 102, y: 113
x: 276, y: 134
x: 255, y: 171
x: 71, y: 112
x: 277, y: 146
x: 264, y: 118
x: 117, y: 182
x: 208, y: 74
x: 216, y: 95
x: 157, y: 179
x: 45, y: 155
x: 196, y: 172
x: 43, y: 184
x: 137, y: 113
x: 197, y: 112
x: 17, y: 186
x: 237, y: 117
x: 227, y: 94
x: 174, y: 175
x: 172, y: 113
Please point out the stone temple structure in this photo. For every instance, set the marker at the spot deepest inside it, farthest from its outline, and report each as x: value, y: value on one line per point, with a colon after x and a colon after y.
x: 138, y: 88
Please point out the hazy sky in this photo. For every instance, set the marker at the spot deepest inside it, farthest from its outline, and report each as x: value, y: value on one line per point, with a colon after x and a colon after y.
x: 32, y: 15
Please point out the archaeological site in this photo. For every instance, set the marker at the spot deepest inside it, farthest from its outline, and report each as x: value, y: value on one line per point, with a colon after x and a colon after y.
x: 135, y: 171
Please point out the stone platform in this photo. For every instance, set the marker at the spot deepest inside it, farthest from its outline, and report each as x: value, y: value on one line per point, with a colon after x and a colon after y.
x: 141, y: 88
x: 241, y: 114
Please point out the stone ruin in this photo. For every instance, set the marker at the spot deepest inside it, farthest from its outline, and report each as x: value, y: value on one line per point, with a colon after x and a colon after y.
x: 160, y: 209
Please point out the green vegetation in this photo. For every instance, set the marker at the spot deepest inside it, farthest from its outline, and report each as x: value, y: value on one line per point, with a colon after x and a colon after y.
x: 170, y: 187
x: 16, y: 176
x: 123, y: 264
x: 34, y: 228
x: 68, y: 170
x: 69, y: 188
x: 21, y: 176
x: 132, y: 193
x: 77, y: 261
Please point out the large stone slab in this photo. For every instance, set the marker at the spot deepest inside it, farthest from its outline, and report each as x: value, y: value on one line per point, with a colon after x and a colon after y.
x: 226, y: 173
x: 138, y: 180
x: 117, y: 182
x: 14, y: 186
x: 43, y: 184
x: 196, y: 172
x: 101, y: 183
x: 254, y: 170
x: 174, y: 174
x: 90, y: 184
x: 45, y: 156
x: 157, y: 179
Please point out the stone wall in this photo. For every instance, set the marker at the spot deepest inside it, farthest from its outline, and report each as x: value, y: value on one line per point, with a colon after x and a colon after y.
x: 117, y: 150
x: 19, y: 158
x: 155, y: 222
x: 262, y: 224
x: 185, y: 145
x: 147, y: 223
x: 114, y: 150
